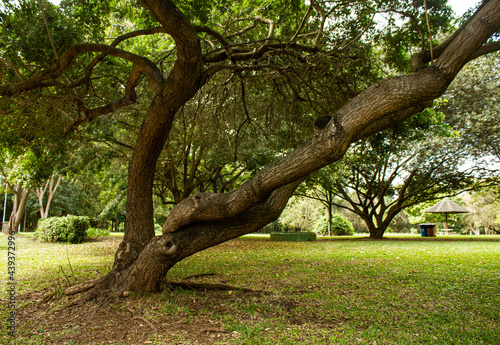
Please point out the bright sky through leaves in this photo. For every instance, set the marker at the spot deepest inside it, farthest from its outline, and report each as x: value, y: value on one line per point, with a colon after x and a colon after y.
x: 458, y: 6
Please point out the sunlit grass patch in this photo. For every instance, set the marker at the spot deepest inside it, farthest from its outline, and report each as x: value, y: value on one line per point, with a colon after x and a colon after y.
x: 335, y: 291
x: 45, y: 265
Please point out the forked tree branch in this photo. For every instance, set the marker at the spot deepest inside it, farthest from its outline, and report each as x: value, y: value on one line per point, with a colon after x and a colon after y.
x: 143, y: 64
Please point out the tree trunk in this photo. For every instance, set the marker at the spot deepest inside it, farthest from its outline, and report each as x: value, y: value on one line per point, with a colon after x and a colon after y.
x: 40, y: 193
x: 20, y: 199
x: 329, y: 218
x: 183, y: 82
x: 377, y: 233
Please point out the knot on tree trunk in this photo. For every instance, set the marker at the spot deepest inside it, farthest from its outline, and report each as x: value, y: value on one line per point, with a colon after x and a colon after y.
x: 322, y: 122
x: 329, y: 141
x: 148, y: 271
x: 167, y: 245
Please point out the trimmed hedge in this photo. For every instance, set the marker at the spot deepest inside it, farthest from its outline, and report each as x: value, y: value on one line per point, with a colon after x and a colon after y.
x: 69, y: 229
x: 340, y: 226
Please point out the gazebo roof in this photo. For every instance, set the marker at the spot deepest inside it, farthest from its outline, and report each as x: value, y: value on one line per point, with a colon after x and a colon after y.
x: 447, y: 206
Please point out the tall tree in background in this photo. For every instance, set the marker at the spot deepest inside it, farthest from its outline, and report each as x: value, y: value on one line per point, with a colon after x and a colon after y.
x: 484, y: 207
x: 271, y: 42
x: 419, y: 160
x: 22, y: 171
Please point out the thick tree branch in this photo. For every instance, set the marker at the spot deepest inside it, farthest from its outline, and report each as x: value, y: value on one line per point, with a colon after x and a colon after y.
x: 166, y: 250
x: 37, y: 80
x: 116, y: 41
x: 419, y: 60
x: 486, y: 49
x: 379, y: 107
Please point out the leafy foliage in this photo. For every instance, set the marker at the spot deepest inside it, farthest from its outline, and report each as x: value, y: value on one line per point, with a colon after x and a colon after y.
x: 340, y: 226
x: 95, y: 232
x: 395, y: 40
x: 69, y: 229
x: 472, y: 107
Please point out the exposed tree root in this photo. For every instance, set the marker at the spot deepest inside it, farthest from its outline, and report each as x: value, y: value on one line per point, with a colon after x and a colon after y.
x: 95, y: 289
x: 209, y: 286
x: 72, y: 290
x: 200, y: 275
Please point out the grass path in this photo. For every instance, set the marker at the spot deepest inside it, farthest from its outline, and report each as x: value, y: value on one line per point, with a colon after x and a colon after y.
x: 406, y: 290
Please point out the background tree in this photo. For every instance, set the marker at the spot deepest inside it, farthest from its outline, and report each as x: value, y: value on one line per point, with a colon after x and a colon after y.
x: 472, y: 106
x: 320, y: 186
x: 50, y: 186
x: 301, y: 214
x: 417, y: 161
x: 484, y: 209
x: 21, y: 171
x: 207, y: 219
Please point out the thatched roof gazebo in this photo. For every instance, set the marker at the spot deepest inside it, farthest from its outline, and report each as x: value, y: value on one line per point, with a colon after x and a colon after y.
x: 446, y: 206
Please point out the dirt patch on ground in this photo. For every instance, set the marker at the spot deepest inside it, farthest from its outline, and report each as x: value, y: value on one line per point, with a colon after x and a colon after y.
x: 172, y: 317
x: 135, y: 320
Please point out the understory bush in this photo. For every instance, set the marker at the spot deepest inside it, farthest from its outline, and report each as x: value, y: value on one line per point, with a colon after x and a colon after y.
x: 69, y: 229
x: 277, y: 226
x: 96, y: 232
x: 158, y: 229
x: 340, y: 226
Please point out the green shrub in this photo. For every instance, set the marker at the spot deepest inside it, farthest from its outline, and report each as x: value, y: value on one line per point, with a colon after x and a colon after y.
x: 70, y: 229
x: 277, y: 226
x: 96, y: 232
x: 158, y: 229
x: 340, y: 226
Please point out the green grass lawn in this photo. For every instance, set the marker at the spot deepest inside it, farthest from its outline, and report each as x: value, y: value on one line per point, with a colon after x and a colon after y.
x: 403, y: 290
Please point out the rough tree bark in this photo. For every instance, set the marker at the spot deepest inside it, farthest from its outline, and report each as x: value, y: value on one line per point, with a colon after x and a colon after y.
x: 183, y: 82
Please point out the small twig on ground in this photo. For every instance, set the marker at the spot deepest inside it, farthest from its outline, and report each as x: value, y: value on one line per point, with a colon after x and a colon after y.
x: 48, y: 297
x: 71, y: 267
x: 213, y: 330
x: 146, y: 321
x: 126, y: 332
x: 67, y: 279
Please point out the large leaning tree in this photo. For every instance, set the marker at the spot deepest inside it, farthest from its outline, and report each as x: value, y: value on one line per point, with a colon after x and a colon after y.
x: 204, y: 220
